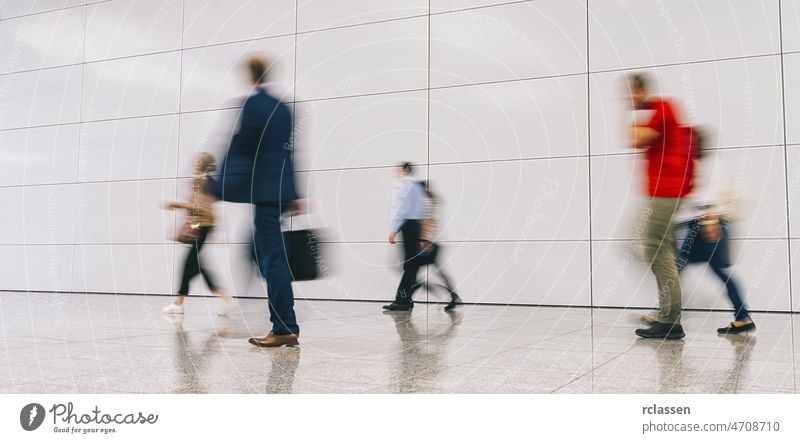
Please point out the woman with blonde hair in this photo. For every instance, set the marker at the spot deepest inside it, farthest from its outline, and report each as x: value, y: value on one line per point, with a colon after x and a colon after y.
x: 194, y: 232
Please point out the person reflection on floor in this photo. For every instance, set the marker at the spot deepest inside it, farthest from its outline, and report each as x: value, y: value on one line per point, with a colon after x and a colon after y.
x: 420, y: 356
x: 191, y: 364
x: 280, y: 379
x: 743, y: 346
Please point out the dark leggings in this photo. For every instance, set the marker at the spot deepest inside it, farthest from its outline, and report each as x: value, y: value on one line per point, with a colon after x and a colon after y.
x: 695, y: 249
x: 431, y: 257
x: 192, y: 266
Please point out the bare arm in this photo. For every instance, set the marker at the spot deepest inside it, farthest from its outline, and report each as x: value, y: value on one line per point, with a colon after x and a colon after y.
x: 179, y: 205
x: 643, y: 136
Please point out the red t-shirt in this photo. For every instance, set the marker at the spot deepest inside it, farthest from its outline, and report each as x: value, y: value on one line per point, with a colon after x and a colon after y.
x: 670, y: 158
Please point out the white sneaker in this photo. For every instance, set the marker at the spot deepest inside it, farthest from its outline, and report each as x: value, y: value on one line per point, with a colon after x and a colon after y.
x: 173, y: 309
x: 226, y: 306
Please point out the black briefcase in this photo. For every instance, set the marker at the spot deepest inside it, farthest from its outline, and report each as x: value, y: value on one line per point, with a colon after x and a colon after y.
x: 303, y: 254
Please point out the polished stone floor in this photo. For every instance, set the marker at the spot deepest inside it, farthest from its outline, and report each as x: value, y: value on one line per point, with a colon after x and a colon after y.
x: 51, y: 343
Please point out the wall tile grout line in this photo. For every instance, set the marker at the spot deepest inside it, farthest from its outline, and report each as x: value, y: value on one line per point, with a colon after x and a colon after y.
x: 294, y: 97
x: 317, y: 299
x: 176, y: 217
x: 785, y: 155
x: 501, y: 241
x: 788, y: 196
x: 451, y: 11
x: 498, y: 161
x: 50, y: 11
x: 428, y: 133
x: 589, y: 181
x: 311, y: 100
x: 76, y: 195
x: 445, y: 86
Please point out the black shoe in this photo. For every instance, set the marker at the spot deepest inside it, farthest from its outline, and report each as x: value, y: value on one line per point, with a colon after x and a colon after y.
x: 662, y: 330
x: 456, y: 300
x: 733, y: 329
x: 399, y: 306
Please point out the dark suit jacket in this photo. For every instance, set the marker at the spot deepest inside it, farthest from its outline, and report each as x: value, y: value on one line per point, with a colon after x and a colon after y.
x: 258, y: 167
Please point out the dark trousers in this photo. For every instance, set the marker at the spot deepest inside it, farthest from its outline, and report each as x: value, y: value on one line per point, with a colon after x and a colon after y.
x: 411, y: 262
x: 192, y: 265
x: 430, y: 257
x: 695, y: 249
x: 271, y: 254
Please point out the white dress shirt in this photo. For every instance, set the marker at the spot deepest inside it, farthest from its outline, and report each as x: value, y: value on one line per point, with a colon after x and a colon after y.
x: 408, y: 201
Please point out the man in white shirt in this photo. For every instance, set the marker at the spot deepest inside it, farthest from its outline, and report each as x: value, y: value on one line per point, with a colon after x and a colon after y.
x: 408, y: 210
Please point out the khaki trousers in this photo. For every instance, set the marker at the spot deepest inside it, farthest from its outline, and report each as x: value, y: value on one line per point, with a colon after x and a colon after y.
x: 659, y: 246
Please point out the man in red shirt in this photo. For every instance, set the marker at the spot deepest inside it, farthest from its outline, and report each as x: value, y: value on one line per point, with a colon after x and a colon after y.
x: 670, y: 172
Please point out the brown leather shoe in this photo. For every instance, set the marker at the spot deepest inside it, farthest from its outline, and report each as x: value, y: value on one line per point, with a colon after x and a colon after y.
x: 274, y: 341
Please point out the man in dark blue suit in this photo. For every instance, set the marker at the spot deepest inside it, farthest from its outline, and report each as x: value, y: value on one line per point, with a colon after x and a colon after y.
x: 258, y: 169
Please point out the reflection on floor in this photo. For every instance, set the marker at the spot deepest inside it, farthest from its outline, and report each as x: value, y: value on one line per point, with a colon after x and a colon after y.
x: 116, y: 344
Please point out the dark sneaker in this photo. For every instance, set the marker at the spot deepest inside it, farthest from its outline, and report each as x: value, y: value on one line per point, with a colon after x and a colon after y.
x: 733, y: 329
x: 395, y: 306
x: 455, y: 301
x: 662, y: 330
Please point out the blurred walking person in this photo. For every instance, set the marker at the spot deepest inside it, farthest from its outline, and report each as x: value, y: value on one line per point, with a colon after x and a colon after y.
x: 670, y: 172
x: 706, y: 215
x: 258, y: 169
x: 411, y: 216
x: 194, y: 232
x: 430, y: 249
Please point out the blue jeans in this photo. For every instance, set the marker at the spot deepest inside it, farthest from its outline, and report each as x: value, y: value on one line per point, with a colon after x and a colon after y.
x: 271, y: 255
x: 695, y: 249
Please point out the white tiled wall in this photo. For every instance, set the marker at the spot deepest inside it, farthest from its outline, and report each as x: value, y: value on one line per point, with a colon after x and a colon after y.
x: 42, y: 40
x: 513, y: 110
x: 41, y: 155
x: 207, y: 22
x: 16, y: 8
x: 121, y: 29
x: 790, y: 18
x: 512, y: 120
x: 630, y: 33
x: 40, y: 215
x: 129, y: 149
x: 129, y: 212
x: 375, y: 130
x: 368, y: 59
x: 508, y: 42
x: 38, y: 98
x: 131, y: 87
x: 321, y: 14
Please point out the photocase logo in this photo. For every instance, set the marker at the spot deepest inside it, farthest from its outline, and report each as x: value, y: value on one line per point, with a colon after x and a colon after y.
x: 31, y: 416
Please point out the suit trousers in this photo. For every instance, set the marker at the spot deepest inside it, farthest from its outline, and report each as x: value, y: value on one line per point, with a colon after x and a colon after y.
x: 411, y: 261
x: 271, y: 254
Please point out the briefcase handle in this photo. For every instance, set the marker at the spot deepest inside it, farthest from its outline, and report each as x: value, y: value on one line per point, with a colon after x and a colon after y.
x: 294, y: 220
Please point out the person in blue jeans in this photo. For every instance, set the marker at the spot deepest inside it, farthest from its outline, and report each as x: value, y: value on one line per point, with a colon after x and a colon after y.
x: 706, y: 241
